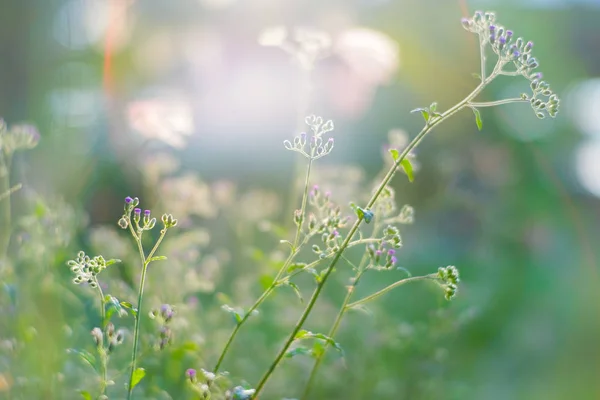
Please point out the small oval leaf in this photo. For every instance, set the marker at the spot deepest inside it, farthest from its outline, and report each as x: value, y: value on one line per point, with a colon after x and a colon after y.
x: 138, y: 375
x: 478, y: 120
x: 408, y: 168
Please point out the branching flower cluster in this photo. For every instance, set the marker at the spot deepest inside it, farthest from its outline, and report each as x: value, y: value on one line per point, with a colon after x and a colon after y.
x: 316, y: 148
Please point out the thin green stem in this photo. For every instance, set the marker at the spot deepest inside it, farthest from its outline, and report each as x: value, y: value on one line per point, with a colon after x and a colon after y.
x: 276, y: 280
x: 334, y: 328
x: 303, y: 207
x: 482, y: 56
x: 101, y: 349
x: 497, y: 102
x: 136, y: 329
x: 388, y: 177
x: 388, y: 288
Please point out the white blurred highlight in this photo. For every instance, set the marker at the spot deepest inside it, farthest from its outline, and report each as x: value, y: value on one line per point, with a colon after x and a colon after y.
x: 370, y: 54
x: 165, y: 119
x: 587, y: 165
x: 584, y: 106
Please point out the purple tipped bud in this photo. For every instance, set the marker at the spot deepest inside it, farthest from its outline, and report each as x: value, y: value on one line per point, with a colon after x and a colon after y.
x: 146, y: 212
x: 191, y: 374
x: 502, y: 40
x: 509, y: 34
x: 492, y: 28
x: 391, y: 252
x: 394, y: 260
x: 128, y: 200
x: 528, y: 46
x: 378, y: 253
x: 137, y: 211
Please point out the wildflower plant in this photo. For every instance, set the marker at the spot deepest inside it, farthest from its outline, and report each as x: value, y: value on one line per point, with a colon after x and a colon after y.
x: 513, y: 58
x: 87, y: 269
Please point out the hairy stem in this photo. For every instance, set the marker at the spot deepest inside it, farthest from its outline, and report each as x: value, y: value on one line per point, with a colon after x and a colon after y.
x: 497, y: 102
x: 136, y: 330
x: 388, y: 288
x: 101, y: 350
x: 334, y: 328
x: 388, y: 177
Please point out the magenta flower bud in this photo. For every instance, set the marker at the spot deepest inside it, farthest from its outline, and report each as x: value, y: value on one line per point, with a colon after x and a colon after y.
x: 391, y: 252
x: 528, y: 46
x: 394, y: 260
x: 128, y: 200
x: 136, y: 214
x: 191, y: 374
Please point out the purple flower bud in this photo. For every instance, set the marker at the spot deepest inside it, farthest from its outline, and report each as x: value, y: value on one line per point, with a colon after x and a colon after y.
x: 378, y: 253
x: 528, y: 46
x: 394, y: 260
x: 335, y: 233
x: 328, y: 194
x: 146, y: 212
x: 128, y: 200
x: 502, y: 40
x: 391, y: 252
x: 492, y: 28
x: 138, y: 211
x: 516, y: 54
x: 191, y: 374
x: 509, y: 34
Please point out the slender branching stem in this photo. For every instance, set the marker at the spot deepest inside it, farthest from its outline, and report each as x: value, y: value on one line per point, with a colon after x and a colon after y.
x: 303, y: 207
x: 497, y: 102
x: 101, y: 349
x: 388, y: 288
x: 431, y: 123
x: 336, y: 324
x: 136, y: 330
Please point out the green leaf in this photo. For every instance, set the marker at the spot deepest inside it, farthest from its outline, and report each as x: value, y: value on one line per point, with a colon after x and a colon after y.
x: 85, y: 356
x: 113, y: 261
x: 304, y: 334
x: 478, y: 120
x: 138, y: 375
x: 266, y: 281
x: 157, y: 258
x: 297, y: 351
x: 237, y: 317
x: 395, y: 154
x: 295, y: 266
x: 297, y: 290
x: 113, y: 305
x: 86, y: 395
x: 130, y: 307
x: 407, y: 167
x: 424, y: 112
x: 476, y: 76
x: 433, y: 107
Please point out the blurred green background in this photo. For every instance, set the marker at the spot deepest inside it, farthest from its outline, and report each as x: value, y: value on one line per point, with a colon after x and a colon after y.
x: 177, y: 103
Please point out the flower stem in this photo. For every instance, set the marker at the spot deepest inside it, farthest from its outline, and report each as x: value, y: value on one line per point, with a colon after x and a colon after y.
x: 498, y: 102
x: 333, y: 331
x: 101, y: 350
x: 136, y: 330
x: 388, y: 288
x: 388, y: 177
x: 276, y: 280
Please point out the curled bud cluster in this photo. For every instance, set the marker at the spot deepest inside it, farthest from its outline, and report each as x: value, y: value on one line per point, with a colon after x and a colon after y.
x: 109, y: 339
x: 201, y: 382
x: 18, y: 137
x: 516, y: 51
x: 449, y: 278
x: 164, y: 315
x: 142, y: 221
x: 86, y: 268
x: 314, y: 147
x: 326, y: 221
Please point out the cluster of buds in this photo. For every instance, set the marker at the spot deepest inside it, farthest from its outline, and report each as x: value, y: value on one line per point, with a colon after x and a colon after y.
x: 86, y: 269
x: 203, y: 381
x: 145, y: 222
x: 328, y: 215
x: 164, y: 315
x: 18, y: 137
x: 386, y: 202
x: 381, y: 257
x: 450, y: 278
x: 239, y: 393
x: 113, y: 338
x: 317, y: 147
x: 517, y: 51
